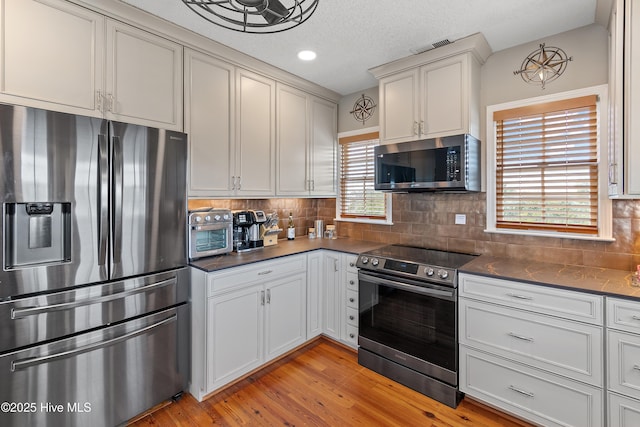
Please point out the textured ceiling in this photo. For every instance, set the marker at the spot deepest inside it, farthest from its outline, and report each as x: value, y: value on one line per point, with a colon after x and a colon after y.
x: 352, y: 36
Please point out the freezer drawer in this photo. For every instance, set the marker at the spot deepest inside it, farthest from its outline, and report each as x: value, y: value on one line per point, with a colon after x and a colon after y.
x: 100, y: 378
x: 27, y: 321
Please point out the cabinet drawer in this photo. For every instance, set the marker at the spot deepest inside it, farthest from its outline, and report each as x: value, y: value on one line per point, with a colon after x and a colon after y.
x: 624, y: 363
x: 255, y: 273
x: 535, y: 395
x: 350, y: 263
x: 352, y: 299
x: 539, y: 298
x: 352, y: 281
x: 352, y: 316
x: 623, y: 411
x: 623, y: 314
x: 351, y: 334
x: 561, y: 346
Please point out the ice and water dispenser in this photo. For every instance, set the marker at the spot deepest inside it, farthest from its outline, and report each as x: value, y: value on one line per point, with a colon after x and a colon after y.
x: 36, y: 233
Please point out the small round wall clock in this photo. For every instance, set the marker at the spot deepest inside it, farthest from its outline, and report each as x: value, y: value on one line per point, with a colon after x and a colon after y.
x: 363, y: 108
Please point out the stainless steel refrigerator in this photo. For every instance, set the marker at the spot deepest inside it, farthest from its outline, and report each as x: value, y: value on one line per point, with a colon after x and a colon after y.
x: 94, y: 285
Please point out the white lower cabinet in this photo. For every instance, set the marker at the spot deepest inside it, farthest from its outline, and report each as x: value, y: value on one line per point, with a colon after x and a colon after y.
x: 350, y: 307
x: 623, y: 354
x: 530, y: 393
x: 331, y: 296
x: 623, y: 411
x: 243, y: 317
x: 533, y: 351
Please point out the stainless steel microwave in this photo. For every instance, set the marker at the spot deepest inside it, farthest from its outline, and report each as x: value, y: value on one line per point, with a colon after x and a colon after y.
x: 450, y: 163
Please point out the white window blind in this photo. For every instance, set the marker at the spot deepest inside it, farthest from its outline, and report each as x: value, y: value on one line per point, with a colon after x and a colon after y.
x: 358, y: 197
x: 547, y: 166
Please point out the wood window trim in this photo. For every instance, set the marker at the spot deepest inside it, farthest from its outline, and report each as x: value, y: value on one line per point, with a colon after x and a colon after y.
x: 516, y: 205
x: 342, y: 188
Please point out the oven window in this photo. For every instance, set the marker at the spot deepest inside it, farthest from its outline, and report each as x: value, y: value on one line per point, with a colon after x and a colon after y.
x: 211, y: 239
x: 419, y: 325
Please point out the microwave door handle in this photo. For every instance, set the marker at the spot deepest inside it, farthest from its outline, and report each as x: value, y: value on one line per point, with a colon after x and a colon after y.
x: 437, y: 293
x: 33, y: 361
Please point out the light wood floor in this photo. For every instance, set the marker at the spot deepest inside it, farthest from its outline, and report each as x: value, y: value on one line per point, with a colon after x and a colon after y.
x: 320, y: 385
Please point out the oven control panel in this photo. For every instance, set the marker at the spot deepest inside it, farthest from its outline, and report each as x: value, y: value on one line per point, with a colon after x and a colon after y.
x: 418, y: 271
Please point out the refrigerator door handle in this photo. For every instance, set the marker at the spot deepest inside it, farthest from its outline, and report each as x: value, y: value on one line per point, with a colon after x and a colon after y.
x: 19, y: 313
x: 103, y: 202
x: 117, y: 198
x: 33, y: 361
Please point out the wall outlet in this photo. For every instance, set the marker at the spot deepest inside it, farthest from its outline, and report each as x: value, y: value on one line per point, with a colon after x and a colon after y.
x: 461, y: 219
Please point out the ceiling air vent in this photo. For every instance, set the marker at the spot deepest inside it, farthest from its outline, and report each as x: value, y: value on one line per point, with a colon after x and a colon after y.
x: 431, y: 46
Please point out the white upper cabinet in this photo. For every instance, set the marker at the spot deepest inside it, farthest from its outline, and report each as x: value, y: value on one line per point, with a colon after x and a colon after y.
x: 306, y: 130
x: 293, y: 141
x: 255, y: 135
x: 434, y: 94
x: 624, y: 92
x: 209, y: 112
x: 400, y: 107
x: 143, y: 78
x: 62, y: 57
x: 323, y: 147
x: 52, y: 55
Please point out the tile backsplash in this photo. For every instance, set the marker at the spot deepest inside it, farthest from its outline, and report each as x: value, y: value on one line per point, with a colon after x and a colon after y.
x: 428, y: 219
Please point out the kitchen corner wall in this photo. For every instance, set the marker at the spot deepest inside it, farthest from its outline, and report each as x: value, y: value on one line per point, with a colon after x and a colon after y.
x: 428, y: 219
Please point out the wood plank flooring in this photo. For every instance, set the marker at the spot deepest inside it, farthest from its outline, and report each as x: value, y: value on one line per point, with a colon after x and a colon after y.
x: 320, y: 385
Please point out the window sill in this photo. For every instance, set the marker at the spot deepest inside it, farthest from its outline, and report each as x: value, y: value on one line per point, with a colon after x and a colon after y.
x: 366, y: 221
x: 574, y: 236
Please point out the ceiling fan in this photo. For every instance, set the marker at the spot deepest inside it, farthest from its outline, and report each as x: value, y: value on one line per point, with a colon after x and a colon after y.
x: 254, y: 16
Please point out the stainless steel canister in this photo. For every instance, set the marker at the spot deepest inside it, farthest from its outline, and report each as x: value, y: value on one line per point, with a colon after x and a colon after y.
x: 319, y: 227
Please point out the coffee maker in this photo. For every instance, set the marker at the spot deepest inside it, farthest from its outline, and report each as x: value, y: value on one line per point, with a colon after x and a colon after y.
x: 246, y: 230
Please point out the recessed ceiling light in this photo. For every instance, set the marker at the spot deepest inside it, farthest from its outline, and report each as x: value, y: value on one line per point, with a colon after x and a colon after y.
x: 307, y: 55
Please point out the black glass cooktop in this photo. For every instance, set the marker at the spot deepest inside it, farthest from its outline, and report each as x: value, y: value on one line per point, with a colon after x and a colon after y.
x: 424, y: 256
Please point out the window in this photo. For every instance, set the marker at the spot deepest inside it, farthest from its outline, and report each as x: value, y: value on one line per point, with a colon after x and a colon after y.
x: 358, y: 201
x: 548, y: 178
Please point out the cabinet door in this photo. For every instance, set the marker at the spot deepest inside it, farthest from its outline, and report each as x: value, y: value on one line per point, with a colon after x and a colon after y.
x: 234, y: 335
x: 399, y: 107
x: 144, y: 78
x: 293, y: 142
x: 209, y: 109
x: 443, y: 98
x: 285, y: 321
x: 632, y: 96
x: 624, y: 367
x: 255, y: 136
x: 52, y: 55
x: 623, y: 411
x: 315, y: 281
x: 323, y: 158
x: 332, y: 304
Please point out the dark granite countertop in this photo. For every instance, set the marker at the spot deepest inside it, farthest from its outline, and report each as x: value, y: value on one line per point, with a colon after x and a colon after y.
x: 283, y: 248
x: 604, y: 281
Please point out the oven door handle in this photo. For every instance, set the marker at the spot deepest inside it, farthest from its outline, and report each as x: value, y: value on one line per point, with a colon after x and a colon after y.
x: 449, y: 294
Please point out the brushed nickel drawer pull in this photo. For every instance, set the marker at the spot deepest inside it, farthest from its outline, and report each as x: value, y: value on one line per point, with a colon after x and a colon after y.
x: 636, y: 367
x: 520, y: 337
x: 635, y: 317
x: 517, y: 390
x: 262, y: 273
x: 519, y: 296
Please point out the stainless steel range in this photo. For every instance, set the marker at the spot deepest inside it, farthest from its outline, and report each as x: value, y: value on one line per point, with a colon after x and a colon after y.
x: 408, y: 317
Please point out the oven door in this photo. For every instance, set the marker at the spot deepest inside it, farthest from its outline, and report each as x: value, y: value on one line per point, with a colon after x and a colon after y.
x: 411, y: 323
x: 210, y: 240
